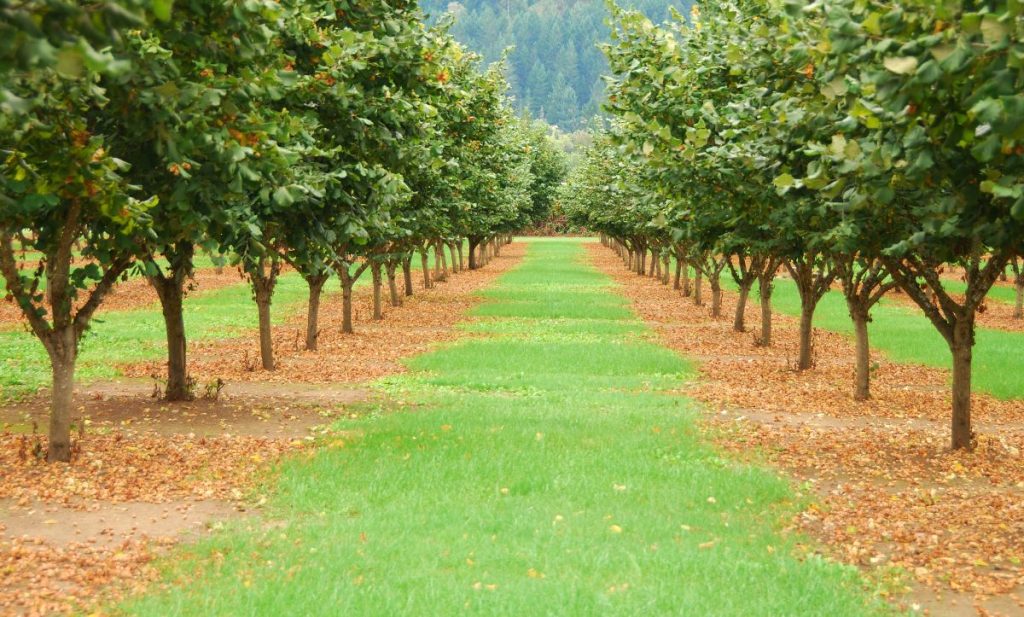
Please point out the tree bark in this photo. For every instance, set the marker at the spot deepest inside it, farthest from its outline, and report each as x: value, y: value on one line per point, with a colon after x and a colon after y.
x: 739, y: 320
x: 346, y: 301
x: 765, y: 287
x: 806, y: 358
x: 170, y: 289
x: 458, y: 247
x: 63, y: 351
x: 666, y: 269
x: 963, y: 341
x: 862, y: 380
x: 425, y: 266
x: 677, y: 282
x: 407, y: 273
x: 698, y: 288
x: 316, y: 286
x: 685, y: 281
x: 266, y: 338
x: 171, y: 292
x: 391, y: 269
x: 473, y: 261
x: 439, y: 273
x: 378, y: 285
x: 716, y: 296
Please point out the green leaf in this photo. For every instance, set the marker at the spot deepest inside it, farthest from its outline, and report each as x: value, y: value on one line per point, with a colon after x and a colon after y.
x: 283, y: 197
x: 784, y: 182
x: 901, y: 65
x: 993, y: 31
x: 162, y: 9
x: 70, y: 62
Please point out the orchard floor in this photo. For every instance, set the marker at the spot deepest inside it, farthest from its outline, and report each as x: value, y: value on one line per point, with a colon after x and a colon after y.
x: 536, y: 466
x: 586, y: 443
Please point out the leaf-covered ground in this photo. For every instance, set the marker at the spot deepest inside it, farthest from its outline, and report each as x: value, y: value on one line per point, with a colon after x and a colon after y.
x: 887, y: 491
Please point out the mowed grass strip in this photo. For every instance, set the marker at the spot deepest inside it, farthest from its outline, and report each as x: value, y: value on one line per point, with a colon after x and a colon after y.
x: 527, y: 472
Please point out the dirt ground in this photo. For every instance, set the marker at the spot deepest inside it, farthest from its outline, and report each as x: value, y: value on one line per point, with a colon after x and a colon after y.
x: 943, y: 530
x: 147, y: 474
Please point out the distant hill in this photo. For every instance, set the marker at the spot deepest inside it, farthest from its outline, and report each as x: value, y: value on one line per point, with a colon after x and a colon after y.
x: 556, y: 66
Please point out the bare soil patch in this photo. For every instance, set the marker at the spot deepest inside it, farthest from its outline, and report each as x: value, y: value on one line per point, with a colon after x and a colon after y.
x: 886, y: 492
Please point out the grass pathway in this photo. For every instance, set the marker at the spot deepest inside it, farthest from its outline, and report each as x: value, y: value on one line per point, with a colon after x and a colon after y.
x: 532, y: 469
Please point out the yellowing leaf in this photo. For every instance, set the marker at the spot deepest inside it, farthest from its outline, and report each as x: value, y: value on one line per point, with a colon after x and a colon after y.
x: 901, y: 65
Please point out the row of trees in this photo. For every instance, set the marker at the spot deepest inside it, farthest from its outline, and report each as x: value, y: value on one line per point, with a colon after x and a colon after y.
x: 329, y: 137
x: 856, y: 143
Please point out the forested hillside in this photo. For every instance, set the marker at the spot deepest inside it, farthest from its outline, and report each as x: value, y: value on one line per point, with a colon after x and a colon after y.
x: 556, y: 67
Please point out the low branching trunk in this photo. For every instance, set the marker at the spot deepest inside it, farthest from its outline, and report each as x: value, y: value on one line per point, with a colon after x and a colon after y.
x: 170, y: 289
x: 813, y: 274
x: 348, y: 277
x: 263, y: 278
x: 425, y: 267
x: 864, y: 283
x: 954, y: 319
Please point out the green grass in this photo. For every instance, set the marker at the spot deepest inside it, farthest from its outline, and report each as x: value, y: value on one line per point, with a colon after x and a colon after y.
x: 539, y: 472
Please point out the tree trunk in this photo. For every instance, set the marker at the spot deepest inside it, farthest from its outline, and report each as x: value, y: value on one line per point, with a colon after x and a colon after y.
x: 425, y: 266
x: 677, y: 282
x: 765, y: 287
x: 172, y: 293
x: 346, y: 301
x: 666, y: 269
x: 862, y: 381
x: 806, y: 336
x: 458, y: 247
x: 375, y: 271
x: 396, y: 298
x: 439, y: 274
x: 170, y: 289
x: 698, y: 288
x: 963, y: 341
x: 716, y: 296
x: 473, y: 262
x: 266, y: 335
x: 63, y: 350
x: 653, y: 267
x: 407, y: 273
x: 739, y: 320
x: 316, y: 286
x: 685, y: 281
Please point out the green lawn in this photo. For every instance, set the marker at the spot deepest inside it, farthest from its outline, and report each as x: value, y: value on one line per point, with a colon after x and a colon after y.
x: 531, y: 471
